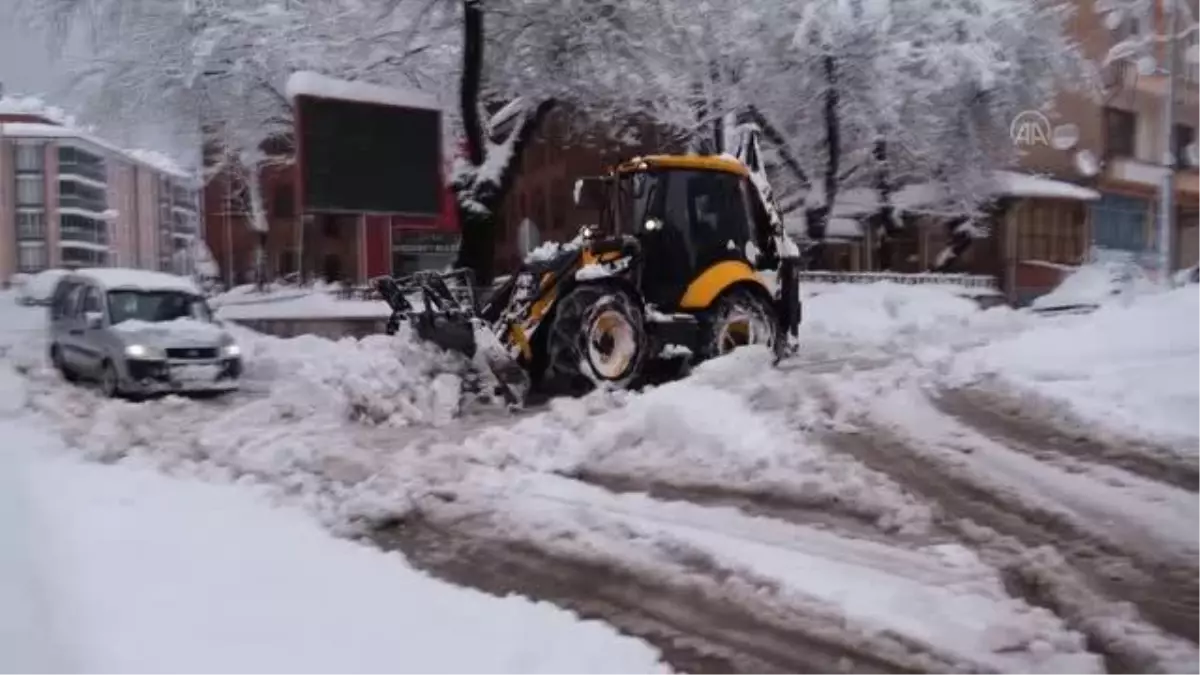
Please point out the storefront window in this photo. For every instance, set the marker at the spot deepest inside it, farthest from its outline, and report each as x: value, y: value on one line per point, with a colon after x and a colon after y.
x: 416, y: 250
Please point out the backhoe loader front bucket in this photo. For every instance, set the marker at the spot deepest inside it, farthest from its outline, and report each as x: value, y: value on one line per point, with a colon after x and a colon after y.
x: 440, y: 306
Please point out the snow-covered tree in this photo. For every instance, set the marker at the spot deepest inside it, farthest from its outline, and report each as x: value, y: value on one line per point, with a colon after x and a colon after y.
x: 888, y: 96
x: 850, y: 95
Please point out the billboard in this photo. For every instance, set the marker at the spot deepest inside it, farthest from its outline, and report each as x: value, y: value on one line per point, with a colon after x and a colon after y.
x: 360, y: 157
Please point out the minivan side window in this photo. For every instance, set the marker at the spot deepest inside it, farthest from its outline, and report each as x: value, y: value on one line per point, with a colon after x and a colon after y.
x: 91, y: 301
x: 71, y: 306
x: 62, y: 295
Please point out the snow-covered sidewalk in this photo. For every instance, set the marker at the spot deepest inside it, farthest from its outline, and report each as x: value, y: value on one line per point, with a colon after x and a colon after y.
x: 119, y: 568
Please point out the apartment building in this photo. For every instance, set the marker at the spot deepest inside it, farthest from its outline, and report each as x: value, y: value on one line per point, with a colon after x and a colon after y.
x: 1113, y: 143
x: 69, y: 199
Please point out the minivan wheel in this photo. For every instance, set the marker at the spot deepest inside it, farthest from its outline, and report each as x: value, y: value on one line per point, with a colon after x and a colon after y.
x: 56, y: 360
x: 110, y: 381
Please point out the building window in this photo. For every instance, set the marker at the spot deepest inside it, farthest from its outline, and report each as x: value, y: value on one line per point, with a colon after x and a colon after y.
x: 1181, y: 137
x: 1119, y: 223
x: 31, y: 225
x: 74, y: 161
x: 29, y: 158
x: 1120, y: 132
x: 77, y: 256
x: 283, y: 201
x: 74, y: 227
x: 1051, y: 232
x: 31, y: 257
x: 31, y: 191
x: 79, y: 196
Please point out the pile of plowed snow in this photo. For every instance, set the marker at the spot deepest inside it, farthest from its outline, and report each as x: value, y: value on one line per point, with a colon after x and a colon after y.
x: 886, y: 317
x: 392, y: 380
x: 1129, y: 366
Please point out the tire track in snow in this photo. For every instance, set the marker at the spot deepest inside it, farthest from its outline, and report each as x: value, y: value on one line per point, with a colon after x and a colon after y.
x: 704, y: 617
x: 1002, y: 419
x: 775, y: 502
x: 1091, y: 571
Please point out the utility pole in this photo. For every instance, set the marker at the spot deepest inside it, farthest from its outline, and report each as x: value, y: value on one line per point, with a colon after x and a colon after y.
x: 1166, y: 197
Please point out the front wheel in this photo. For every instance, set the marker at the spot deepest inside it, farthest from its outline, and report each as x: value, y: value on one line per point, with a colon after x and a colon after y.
x: 110, y: 380
x: 597, y: 336
x: 738, y: 318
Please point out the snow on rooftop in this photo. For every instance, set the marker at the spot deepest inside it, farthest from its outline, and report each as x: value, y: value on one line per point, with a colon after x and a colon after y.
x: 64, y: 125
x: 32, y: 105
x: 308, y: 83
x: 1020, y: 184
x: 153, y: 159
x: 117, y: 277
x: 159, y: 161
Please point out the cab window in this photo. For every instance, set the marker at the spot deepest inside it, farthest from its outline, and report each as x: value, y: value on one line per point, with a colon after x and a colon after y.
x: 91, y: 301
x: 71, y: 304
x: 59, y: 304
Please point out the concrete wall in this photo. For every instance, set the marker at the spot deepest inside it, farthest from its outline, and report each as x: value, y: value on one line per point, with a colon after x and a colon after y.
x: 53, y: 255
x: 122, y: 245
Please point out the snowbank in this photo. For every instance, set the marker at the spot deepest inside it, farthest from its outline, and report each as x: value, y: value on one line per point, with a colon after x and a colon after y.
x: 1130, y: 367
x: 890, y: 317
x: 144, y: 573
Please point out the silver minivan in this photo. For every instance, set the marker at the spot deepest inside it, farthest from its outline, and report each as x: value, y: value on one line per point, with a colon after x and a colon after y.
x: 139, y: 332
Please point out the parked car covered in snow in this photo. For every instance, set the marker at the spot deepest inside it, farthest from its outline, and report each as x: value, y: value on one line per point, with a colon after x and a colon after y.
x: 139, y: 332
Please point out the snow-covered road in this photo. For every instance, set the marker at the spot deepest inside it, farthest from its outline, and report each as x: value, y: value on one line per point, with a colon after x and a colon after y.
x: 923, y: 489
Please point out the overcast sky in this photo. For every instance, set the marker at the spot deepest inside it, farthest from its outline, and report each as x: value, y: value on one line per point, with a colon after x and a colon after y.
x: 26, y: 67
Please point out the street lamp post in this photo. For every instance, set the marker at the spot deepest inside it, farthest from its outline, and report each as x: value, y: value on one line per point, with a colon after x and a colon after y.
x: 1166, y: 197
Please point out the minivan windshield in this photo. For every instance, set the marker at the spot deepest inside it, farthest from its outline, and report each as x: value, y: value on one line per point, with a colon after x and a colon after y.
x: 156, y: 306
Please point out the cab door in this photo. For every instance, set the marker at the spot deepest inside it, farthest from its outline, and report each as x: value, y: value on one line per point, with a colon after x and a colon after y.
x: 704, y: 222
x: 67, y: 318
x: 93, y: 323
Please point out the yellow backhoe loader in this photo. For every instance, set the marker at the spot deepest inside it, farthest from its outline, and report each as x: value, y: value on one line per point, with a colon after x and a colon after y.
x: 688, y: 262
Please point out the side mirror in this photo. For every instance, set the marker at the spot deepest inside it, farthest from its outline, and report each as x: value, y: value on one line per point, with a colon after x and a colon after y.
x: 591, y: 193
x: 94, y: 319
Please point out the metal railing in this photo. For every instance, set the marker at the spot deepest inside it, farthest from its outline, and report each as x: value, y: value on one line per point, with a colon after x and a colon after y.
x: 974, y: 281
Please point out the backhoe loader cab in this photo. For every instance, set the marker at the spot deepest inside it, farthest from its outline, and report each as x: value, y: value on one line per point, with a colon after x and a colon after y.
x: 671, y: 273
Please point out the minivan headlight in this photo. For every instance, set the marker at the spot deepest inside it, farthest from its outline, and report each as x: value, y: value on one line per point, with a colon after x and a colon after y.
x: 232, y: 350
x: 144, y: 352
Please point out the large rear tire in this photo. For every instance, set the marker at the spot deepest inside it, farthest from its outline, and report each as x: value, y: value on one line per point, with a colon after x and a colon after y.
x: 597, y: 336
x: 738, y: 318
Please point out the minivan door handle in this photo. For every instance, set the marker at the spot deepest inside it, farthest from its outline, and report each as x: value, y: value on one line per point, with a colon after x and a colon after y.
x: 76, y: 331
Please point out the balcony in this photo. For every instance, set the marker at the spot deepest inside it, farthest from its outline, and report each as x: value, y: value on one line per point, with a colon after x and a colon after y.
x: 89, y: 172
x: 83, y: 237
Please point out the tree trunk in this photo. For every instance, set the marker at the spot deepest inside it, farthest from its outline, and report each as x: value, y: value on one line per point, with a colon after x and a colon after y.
x: 882, y: 222
x: 478, y: 196
x: 817, y: 219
